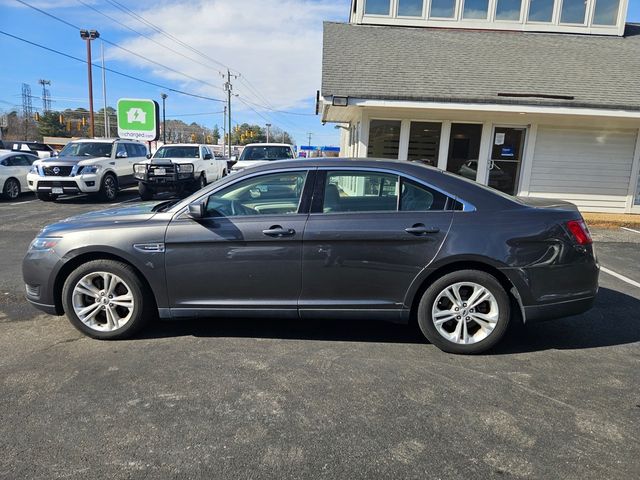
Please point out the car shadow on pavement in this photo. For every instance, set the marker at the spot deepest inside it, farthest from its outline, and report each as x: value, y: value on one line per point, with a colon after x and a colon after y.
x: 613, y: 321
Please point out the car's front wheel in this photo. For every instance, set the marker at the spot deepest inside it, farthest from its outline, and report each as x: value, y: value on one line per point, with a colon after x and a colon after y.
x: 464, y: 312
x: 46, y: 197
x: 145, y: 192
x: 11, y: 189
x: 108, y: 188
x: 105, y: 299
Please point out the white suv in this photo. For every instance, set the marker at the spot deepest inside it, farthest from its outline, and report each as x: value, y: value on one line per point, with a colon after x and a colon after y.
x: 259, y: 153
x: 100, y: 166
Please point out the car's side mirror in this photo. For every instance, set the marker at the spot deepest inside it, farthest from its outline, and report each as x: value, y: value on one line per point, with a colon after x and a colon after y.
x: 196, y: 210
x: 148, y: 155
x: 208, y: 156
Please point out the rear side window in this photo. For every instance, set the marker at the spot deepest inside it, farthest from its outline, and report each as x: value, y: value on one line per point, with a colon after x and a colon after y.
x: 419, y: 198
x: 360, y: 192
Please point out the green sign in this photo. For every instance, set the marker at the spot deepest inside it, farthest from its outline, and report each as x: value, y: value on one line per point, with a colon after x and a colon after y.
x: 138, y: 119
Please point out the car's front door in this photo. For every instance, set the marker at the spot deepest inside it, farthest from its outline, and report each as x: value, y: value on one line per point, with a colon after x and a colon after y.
x: 245, y: 254
x: 368, y: 236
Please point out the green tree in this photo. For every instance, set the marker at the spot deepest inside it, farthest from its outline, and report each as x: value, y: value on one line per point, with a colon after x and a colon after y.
x: 50, y: 126
x: 215, y: 135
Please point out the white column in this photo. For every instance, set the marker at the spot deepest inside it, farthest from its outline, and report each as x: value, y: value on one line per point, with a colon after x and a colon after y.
x: 364, y: 135
x: 485, y: 152
x: 403, y: 148
x: 445, y: 139
x: 635, y: 174
x: 527, y: 160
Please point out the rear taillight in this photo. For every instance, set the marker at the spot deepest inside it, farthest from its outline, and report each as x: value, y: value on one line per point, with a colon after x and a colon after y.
x: 580, y: 232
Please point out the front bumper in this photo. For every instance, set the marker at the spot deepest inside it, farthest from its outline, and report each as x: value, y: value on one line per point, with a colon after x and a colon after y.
x: 39, y: 270
x: 63, y: 185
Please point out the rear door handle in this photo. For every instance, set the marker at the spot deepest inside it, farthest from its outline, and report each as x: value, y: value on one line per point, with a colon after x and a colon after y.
x: 420, y: 229
x: 278, y: 231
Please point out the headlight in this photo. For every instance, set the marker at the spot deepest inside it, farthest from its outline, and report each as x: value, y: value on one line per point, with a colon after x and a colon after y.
x: 44, y: 244
x: 89, y: 169
x: 140, y: 169
x: 34, y: 169
x: 188, y: 168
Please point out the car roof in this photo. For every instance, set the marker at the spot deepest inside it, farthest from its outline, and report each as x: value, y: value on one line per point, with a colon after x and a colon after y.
x: 9, y: 153
x: 182, y: 145
x: 268, y: 145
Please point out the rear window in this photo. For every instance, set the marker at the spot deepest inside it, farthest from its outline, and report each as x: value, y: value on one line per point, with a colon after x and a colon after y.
x: 178, y: 152
x: 266, y: 152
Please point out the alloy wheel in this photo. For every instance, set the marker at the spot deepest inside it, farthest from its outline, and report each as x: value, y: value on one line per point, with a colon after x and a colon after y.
x: 12, y: 189
x: 103, y: 301
x: 109, y: 187
x: 465, y: 313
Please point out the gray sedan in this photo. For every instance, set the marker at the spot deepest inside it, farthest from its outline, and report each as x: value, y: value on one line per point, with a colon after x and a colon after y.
x: 326, y: 238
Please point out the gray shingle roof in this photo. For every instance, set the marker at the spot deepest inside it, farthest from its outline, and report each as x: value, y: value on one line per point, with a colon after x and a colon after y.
x: 453, y: 65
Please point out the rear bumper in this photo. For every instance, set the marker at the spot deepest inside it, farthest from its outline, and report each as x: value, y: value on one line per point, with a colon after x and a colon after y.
x: 551, y: 311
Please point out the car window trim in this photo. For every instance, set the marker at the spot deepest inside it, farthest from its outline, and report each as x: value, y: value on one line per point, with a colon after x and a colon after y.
x: 311, y: 172
x: 466, y: 206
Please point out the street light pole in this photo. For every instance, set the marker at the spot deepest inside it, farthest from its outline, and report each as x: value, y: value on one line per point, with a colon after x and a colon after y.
x: 268, y: 127
x: 164, y: 118
x: 89, y: 35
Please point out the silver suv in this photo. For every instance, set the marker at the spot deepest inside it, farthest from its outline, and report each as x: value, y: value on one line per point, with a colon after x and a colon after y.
x: 100, y: 167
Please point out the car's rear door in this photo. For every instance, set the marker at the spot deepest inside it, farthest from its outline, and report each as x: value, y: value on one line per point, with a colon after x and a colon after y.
x: 245, y: 255
x: 363, y: 245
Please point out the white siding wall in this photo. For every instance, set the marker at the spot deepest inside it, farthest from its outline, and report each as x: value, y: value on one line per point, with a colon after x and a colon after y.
x: 589, y: 167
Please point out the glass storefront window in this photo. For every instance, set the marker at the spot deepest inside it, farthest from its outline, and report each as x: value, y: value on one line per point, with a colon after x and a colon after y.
x: 424, y: 142
x: 443, y: 8
x: 384, y: 139
x: 410, y: 8
x: 377, y: 7
x: 475, y: 9
x: 508, y: 9
x: 606, y: 12
x: 541, y: 10
x: 464, y: 149
x: 573, y: 11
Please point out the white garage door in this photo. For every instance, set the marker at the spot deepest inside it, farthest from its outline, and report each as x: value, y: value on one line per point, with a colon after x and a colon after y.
x: 591, y: 168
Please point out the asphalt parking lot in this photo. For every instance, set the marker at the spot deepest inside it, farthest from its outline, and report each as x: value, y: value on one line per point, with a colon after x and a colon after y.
x: 286, y: 399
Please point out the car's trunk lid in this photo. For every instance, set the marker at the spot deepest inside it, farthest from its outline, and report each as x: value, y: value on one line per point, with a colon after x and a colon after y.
x: 548, y: 203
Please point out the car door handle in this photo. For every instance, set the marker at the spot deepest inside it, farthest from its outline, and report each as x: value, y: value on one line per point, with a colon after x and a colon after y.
x: 278, y: 231
x: 420, y: 229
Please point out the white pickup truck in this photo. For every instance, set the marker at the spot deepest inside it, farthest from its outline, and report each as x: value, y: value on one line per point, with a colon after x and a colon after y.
x: 176, y: 168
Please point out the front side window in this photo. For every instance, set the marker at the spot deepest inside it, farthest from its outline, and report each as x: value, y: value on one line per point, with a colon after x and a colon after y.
x: 573, y: 11
x: 377, y: 7
x: 360, y: 192
x: 606, y: 12
x: 476, y: 9
x: 272, y: 194
x: 443, y: 8
x: 384, y: 139
x: 410, y: 8
x: 508, y: 9
x: 541, y: 10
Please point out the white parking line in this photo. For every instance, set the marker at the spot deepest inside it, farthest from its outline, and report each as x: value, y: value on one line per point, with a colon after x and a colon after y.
x: 20, y: 203
x: 620, y: 277
x: 630, y: 230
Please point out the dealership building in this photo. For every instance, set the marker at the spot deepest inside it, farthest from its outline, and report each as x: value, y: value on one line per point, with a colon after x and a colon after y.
x: 532, y: 97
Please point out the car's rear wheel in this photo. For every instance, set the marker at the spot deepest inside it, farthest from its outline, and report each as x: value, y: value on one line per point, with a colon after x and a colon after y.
x: 11, y: 189
x: 46, y: 197
x: 145, y: 192
x: 201, y: 182
x: 108, y: 188
x: 464, y: 312
x: 105, y: 299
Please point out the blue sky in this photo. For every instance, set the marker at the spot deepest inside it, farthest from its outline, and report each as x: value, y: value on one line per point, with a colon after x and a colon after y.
x: 275, y: 45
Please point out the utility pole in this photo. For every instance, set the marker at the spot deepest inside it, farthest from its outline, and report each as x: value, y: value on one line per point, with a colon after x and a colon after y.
x: 27, y: 108
x: 309, y: 135
x: 228, y: 87
x: 224, y: 132
x: 164, y: 118
x: 89, y: 35
x: 46, y: 100
x: 268, y: 127
x: 107, y: 127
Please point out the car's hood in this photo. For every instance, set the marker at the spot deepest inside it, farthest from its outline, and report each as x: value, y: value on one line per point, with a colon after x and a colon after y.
x: 126, y: 214
x: 69, y: 160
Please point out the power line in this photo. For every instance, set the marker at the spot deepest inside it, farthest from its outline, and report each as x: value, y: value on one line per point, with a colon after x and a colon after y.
x: 131, y: 77
x: 76, y: 27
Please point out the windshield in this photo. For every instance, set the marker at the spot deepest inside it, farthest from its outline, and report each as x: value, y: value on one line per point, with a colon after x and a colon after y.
x: 178, y: 152
x: 266, y: 153
x: 86, y: 149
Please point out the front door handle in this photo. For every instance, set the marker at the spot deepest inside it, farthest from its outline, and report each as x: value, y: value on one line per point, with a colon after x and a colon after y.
x: 278, y: 231
x: 420, y: 229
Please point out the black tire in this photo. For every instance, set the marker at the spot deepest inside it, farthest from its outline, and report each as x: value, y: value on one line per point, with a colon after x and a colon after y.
x: 483, y: 279
x: 145, y: 192
x: 46, y: 197
x: 108, y: 188
x: 200, y: 183
x: 142, y: 310
x: 11, y: 189
x: 224, y: 173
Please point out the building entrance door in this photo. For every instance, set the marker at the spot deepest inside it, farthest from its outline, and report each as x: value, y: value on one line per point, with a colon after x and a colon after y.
x: 506, y: 159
